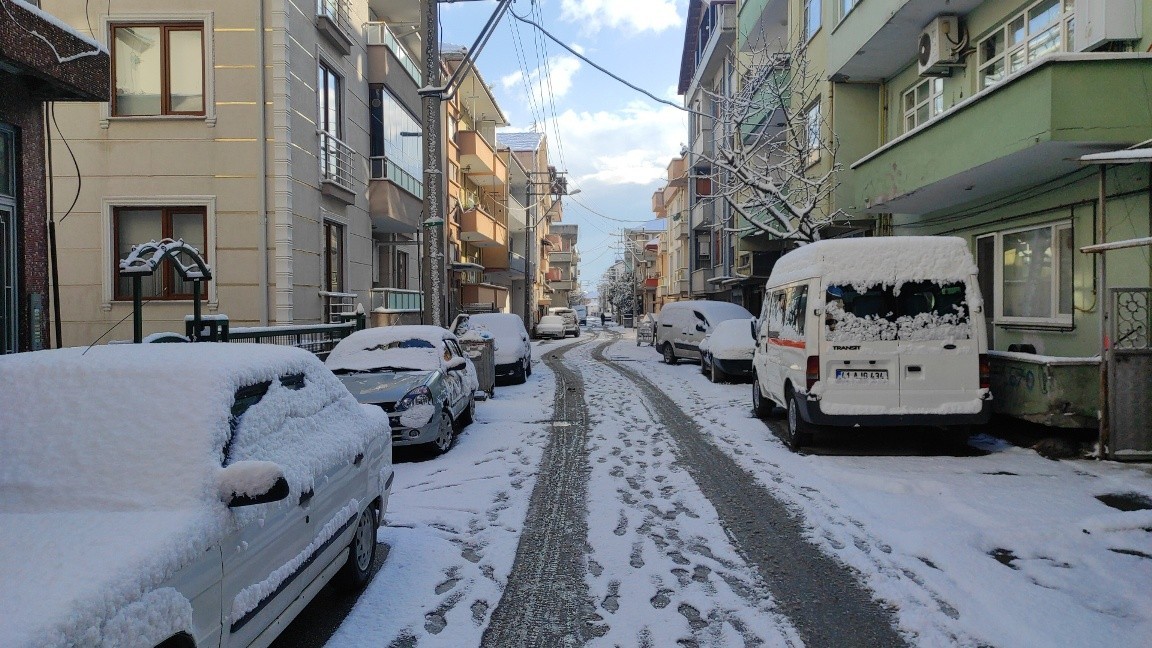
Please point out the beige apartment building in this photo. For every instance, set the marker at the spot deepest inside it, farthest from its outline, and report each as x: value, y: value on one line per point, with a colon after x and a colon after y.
x: 239, y: 127
x: 670, y: 202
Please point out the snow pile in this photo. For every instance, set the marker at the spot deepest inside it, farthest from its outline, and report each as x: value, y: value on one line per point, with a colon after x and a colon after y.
x: 879, y: 260
x: 414, y: 347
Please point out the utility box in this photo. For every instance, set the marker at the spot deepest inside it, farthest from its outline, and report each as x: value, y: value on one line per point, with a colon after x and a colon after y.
x: 481, y: 349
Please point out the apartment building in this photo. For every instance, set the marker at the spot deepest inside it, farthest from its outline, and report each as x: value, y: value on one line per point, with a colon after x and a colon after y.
x: 42, y: 63
x: 670, y: 202
x: 973, y: 120
x: 476, y: 173
x: 641, y: 256
x: 564, y: 263
x: 239, y: 128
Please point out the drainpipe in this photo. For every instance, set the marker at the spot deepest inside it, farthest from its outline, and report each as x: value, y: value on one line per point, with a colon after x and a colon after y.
x: 263, y: 113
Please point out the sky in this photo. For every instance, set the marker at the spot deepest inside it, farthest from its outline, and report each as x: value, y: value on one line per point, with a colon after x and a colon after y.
x: 615, y: 143
x: 1001, y: 548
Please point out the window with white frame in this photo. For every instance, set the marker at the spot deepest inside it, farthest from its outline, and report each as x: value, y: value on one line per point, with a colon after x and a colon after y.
x: 1043, y: 28
x: 846, y: 7
x: 1033, y: 275
x: 922, y: 102
x: 811, y: 18
x: 812, y: 132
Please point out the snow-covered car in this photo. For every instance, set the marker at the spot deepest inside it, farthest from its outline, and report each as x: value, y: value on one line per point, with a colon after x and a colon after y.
x: 550, y: 326
x: 571, y: 320
x: 513, y: 350
x: 180, y: 494
x: 418, y: 374
x: 726, y: 351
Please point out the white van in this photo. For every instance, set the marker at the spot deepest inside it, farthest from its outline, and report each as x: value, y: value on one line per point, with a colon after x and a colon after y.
x: 865, y: 332
x: 681, y: 325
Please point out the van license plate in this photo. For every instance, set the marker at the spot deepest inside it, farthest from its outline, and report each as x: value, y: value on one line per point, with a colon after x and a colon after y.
x: 861, y: 374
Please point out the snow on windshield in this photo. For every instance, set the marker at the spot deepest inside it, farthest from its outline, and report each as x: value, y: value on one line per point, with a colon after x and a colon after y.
x: 912, y: 311
x: 402, y: 347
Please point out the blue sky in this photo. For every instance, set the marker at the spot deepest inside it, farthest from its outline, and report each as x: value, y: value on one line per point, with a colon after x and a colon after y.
x: 614, y: 142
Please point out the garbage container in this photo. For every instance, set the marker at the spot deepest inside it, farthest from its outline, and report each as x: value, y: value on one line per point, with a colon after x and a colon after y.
x: 481, y: 348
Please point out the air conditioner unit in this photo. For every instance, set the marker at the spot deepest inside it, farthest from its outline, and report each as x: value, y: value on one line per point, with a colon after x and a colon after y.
x: 940, y: 46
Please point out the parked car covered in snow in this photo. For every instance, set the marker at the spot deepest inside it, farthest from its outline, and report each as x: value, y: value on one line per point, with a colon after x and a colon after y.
x: 681, y: 325
x: 180, y: 494
x: 513, y: 349
x: 726, y: 351
x: 873, y: 332
x: 551, y: 326
x: 418, y: 374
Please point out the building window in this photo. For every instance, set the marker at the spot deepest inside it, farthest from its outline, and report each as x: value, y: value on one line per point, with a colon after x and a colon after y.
x: 331, y: 106
x: 922, y: 102
x: 1034, y: 269
x: 333, y: 257
x: 1043, y: 28
x: 846, y: 7
x: 396, y: 142
x: 812, y: 131
x: 158, y: 69
x: 135, y: 225
x: 811, y: 18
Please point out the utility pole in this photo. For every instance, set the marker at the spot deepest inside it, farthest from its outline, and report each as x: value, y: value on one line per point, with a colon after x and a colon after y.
x: 430, y: 96
x: 529, y: 235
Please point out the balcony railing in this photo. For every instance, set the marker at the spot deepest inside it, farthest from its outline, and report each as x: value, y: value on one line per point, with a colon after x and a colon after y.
x: 336, y: 162
x: 384, y: 169
x: 378, y: 33
x: 334, y: 20
x: 397, y: 300
x: 338, y: 306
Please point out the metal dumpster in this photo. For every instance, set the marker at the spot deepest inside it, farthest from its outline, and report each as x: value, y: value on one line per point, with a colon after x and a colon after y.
x: 481, y: 348
x: 1054, y: 391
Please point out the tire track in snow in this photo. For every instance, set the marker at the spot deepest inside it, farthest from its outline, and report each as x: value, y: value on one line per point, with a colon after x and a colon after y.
x: 822, y: 597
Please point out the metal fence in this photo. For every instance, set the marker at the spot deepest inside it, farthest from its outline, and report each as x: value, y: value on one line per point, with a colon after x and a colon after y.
x: 1130, y: 375
x: 317, y: 338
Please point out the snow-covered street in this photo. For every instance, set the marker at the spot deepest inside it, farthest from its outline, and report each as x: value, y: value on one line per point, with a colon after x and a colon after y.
x: 1004, y: 548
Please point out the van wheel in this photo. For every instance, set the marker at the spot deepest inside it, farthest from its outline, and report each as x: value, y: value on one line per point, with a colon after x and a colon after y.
x: 762, y: 406
x: 799, y: 430
x: 669, y: 353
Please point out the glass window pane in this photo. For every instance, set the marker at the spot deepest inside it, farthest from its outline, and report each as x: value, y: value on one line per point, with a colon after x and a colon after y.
x: 1046, y: 43
x: 922, y: 114
x: 187, y: 225
x: 1016, y: 61
x: 909, y: 122
x: 1016, y: 31
x: 921, y: 92
x: 7, y: 164
x: 1028, y: 273
x: 1043, y: 15
x: 992, y: 46
x: 1066, y: 258
x: 133, y: 227
x: 909, y: 101
x: 992, y: 74
x: 186, y: 71
x: 138, y: 52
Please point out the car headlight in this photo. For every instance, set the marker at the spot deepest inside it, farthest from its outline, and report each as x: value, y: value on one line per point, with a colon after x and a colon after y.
x: 417, y: 396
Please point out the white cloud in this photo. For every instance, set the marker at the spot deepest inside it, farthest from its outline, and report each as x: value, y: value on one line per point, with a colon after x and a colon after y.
x: 629, y: 147
x: 629, y: 15
x: 544, y: 89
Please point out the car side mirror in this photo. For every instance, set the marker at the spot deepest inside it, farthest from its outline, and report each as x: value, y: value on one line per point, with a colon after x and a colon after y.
x: 754, y: 328
x: 245, y: 483
x: 701, y: 328
x: 457, y: 364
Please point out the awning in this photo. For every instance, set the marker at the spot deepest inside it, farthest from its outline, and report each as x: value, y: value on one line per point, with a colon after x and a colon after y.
x: 1123, y: 156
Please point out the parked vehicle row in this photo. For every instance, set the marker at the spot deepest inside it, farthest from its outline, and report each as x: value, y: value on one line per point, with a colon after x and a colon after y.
x: 853, y: 333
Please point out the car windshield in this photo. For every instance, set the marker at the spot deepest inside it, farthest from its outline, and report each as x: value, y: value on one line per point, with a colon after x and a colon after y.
x: 911, y: 311
x: 409, y: 354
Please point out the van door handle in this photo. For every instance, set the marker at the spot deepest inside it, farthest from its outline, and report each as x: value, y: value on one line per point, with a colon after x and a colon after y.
x: 306, y: 495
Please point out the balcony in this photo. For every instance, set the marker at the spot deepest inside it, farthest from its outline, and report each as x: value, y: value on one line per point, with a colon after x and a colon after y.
x: 757, y: 263
x: 1026, y: 130
x: 395, y: 300
x: 334, y: 21
x: 480, y: 229
x: 879, y: 38
x: 483, y: 294
x: 678, y: 226
x: 700, y: 279
x: 763, y: 24
x: 479, y: 161
x: 658, y: 204
x: 337, y: 177
x: 561, y: 256
x: 562, y: 285
x: 381, y: 68
x: 678, y: 172
x: 711, y: 43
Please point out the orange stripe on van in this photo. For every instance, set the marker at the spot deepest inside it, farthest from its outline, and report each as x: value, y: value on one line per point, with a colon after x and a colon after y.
x: 795, y: 344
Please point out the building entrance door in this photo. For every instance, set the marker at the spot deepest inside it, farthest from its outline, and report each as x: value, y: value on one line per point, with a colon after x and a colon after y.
x: 8, y: 323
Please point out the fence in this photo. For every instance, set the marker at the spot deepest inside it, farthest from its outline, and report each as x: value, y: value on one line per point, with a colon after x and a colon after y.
x: 317, y: 338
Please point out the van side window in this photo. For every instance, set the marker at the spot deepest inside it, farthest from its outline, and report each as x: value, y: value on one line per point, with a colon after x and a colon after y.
x: 775, y: 306
x: 794, y: 316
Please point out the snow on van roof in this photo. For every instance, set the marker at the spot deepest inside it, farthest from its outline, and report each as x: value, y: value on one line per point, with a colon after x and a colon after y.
x: 886, y: 259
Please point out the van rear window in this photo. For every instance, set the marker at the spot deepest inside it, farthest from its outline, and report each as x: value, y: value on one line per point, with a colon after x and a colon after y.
x: 912, y: 311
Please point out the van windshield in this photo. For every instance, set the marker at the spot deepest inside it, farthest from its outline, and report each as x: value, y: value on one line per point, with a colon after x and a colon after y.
x: 912, y: 311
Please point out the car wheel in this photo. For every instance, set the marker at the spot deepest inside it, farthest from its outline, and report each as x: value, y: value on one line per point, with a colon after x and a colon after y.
x: 357, y: 571
x: 703, y: 364
x: 669, y: 353
x: 799, y: 430
x: 718, y: 375
x: 527, y: 367
x: 761, y: 405
x: 444, y: 434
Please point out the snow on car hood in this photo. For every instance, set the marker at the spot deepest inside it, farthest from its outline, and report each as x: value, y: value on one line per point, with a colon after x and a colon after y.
x: 68, y: 573
x: 383, y: 387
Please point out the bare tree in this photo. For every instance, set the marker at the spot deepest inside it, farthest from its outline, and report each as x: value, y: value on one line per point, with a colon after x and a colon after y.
x: 768, y: 138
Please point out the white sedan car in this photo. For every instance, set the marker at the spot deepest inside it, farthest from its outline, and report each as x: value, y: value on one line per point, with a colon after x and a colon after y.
x: 180, y: 494
x: 551, y: 326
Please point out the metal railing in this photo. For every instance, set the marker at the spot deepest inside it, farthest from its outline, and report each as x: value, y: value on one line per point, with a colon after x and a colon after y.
x: 338, y: 306
x: 336, y: 11
x: 317, y: 338
x: 397, y: 300
x: 336, y: 162
x: 385, y: 169
x: 378, y: 33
